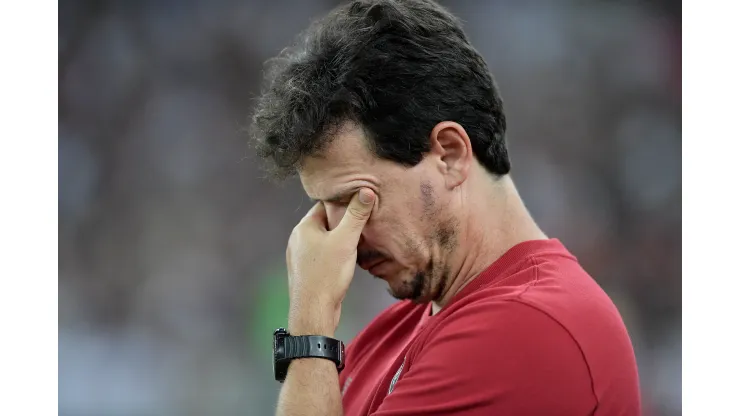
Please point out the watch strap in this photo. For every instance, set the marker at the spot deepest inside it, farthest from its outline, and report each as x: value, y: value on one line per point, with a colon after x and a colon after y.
x: 315, y: 346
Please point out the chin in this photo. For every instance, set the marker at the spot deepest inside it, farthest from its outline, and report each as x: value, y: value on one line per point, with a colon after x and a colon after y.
x: 407, y: 295
x: 404, y: 286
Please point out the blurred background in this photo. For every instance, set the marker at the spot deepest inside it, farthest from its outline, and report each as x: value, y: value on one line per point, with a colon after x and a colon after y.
x: 171, y: 242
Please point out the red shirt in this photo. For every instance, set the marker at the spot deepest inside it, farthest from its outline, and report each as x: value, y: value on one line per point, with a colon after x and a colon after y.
x: 533, y: 334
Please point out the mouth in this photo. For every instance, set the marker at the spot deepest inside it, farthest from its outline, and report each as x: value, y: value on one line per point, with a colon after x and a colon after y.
x: 371, y: 264
x: 377, y: 269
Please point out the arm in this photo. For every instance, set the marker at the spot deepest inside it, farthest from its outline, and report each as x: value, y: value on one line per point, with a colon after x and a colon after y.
x: 321, y: 263
x: 311, y: 386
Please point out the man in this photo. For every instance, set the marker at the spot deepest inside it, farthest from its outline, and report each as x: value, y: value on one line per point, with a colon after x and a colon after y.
x: 395, y: 127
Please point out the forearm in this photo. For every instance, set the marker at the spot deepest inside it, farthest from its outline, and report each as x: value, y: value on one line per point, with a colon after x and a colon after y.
x: 311, y: 385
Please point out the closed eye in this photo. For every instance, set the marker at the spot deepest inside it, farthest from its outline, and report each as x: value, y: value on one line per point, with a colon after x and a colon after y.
x: 342, y: 201
x: 342, y: 198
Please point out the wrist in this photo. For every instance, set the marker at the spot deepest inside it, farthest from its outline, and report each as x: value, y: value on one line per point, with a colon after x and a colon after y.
x: 297, y: 328
x: 315, y: 320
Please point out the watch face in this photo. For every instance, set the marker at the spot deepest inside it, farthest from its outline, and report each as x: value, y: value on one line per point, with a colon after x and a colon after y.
x: 278, y: 353
x: 340, y: 366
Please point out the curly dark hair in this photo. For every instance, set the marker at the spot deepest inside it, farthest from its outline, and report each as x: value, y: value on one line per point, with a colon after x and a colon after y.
x: 394, y: 67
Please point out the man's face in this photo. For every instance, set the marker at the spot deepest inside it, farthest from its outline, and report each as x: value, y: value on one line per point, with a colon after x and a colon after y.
x: 410, y: 234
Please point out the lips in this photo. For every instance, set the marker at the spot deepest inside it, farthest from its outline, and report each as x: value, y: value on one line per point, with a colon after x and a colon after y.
x: 377, y: 268
x: 369, y: 264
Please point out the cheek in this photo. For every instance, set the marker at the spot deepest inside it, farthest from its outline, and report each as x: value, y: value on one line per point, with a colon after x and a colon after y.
x: 377, y: 235
x: 387, y: 235
x: 373, y: 232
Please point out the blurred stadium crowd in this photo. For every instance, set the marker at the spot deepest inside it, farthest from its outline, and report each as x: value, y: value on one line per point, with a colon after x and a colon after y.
x: 171, y: 242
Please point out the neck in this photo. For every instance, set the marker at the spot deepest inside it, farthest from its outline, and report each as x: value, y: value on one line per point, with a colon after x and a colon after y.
x: 496, y: 220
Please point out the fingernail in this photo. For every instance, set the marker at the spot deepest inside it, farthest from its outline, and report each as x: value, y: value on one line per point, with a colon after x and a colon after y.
x: 366, y: 196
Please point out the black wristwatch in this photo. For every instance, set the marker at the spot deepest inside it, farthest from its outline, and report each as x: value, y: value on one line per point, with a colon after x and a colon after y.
x: 286, y: 347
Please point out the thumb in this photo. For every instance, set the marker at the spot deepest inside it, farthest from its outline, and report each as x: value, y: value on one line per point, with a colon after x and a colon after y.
x: 357, y: 213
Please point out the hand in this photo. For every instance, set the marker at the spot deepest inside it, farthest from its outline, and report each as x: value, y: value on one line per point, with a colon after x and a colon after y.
x: 321, y: 265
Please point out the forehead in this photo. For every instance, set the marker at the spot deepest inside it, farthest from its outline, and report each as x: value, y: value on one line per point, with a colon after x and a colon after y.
x: 343, y: 166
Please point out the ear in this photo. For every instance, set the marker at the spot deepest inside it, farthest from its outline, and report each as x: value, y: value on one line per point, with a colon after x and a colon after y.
x: 450, y: 142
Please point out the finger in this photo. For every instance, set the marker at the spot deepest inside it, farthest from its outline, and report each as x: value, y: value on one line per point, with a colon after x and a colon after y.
x: 316, y: 215
x: 357, y: 214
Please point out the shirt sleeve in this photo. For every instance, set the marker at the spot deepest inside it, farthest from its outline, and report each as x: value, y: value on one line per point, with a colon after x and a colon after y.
x: 495, y: 358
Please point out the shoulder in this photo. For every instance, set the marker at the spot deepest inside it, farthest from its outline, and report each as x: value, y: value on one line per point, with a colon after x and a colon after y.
x: 510, y: 325
x: 542, y: 324
x: 527, y: 361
